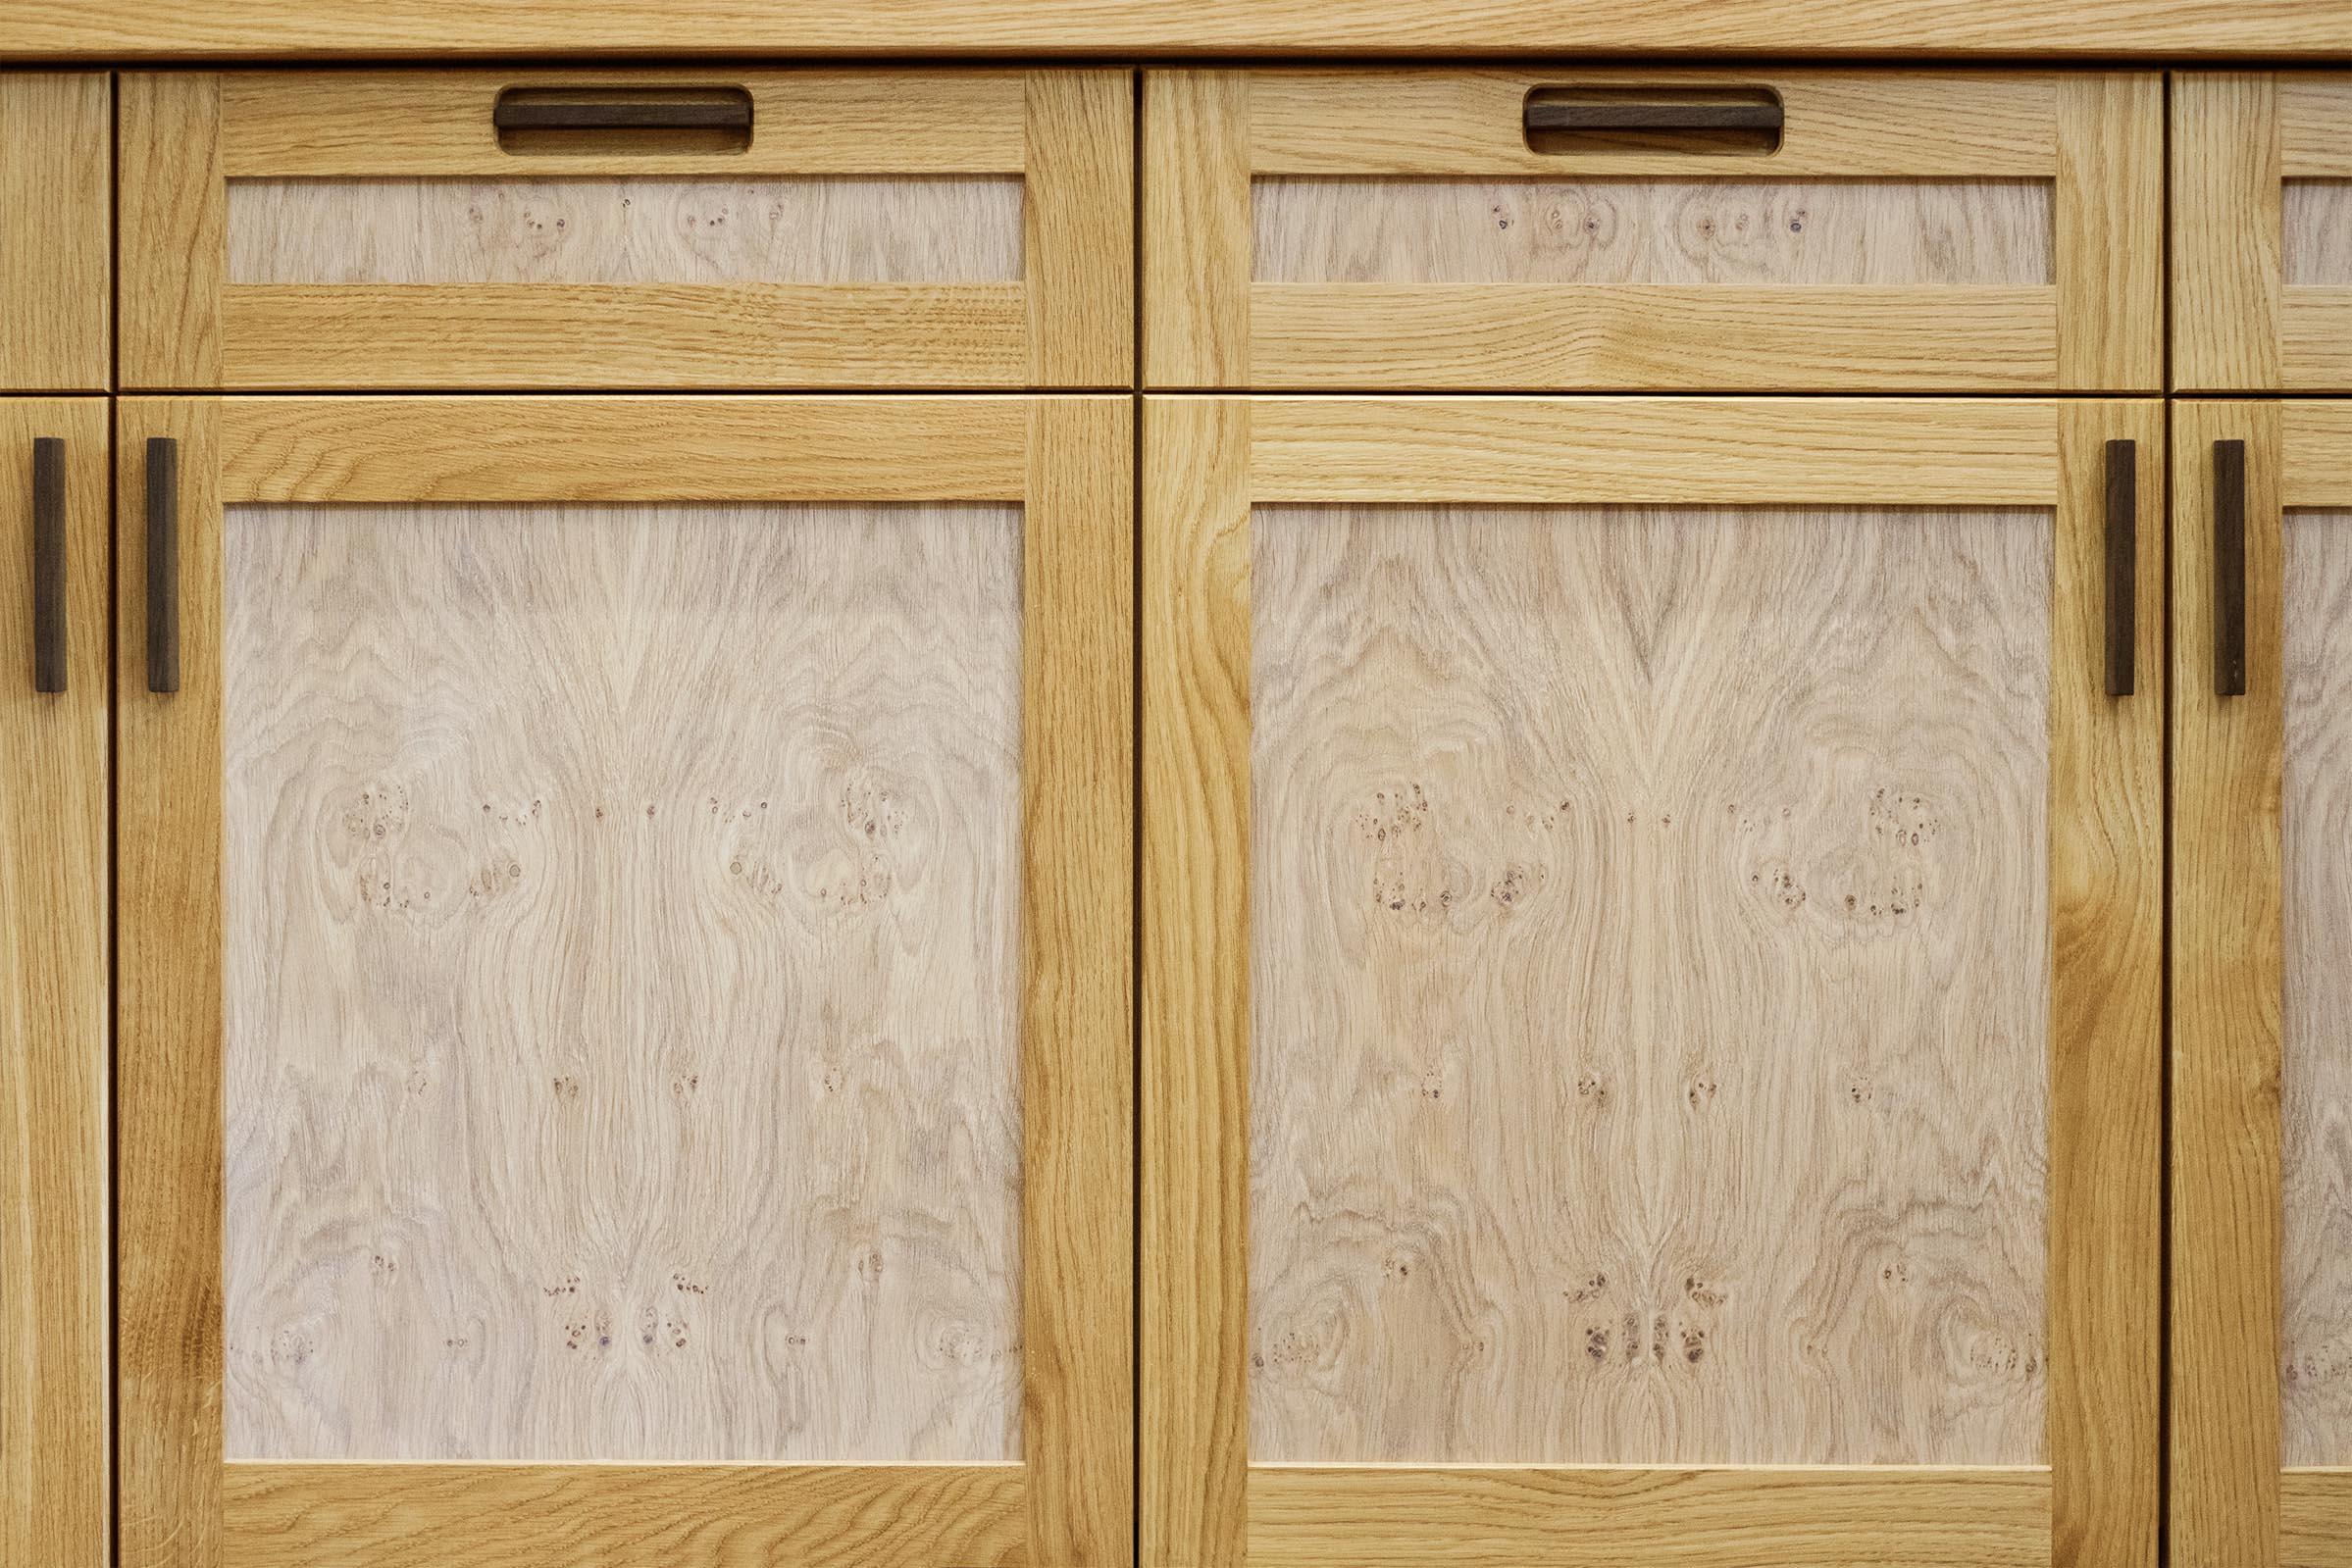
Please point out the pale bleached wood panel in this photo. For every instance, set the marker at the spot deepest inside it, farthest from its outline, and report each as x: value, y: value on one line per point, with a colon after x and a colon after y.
x: 362, y: 29
x: 650, y: 228
x: 1385, y: 231
x: 2316, y: 1083
x: 712, y: 1516
x: 54, y: 925
x: 56, y: 232
x: 1651, y: 972
x: 622, y: 984
x: 2314, y: 1517
x: 1377, y: 1516
x: 2317, y: 238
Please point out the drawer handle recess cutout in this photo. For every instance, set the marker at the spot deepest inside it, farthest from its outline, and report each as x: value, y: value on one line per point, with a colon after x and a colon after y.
x: 609, y: 119
x: 1621, y: 120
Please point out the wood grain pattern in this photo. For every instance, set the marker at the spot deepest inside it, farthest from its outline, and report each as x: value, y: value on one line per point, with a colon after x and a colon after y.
x: 2312, y: 106
x: 492, y: 449
x: 2316, y: 232
x: 1655, y: 337
x: 2105, y: 1214
x: 1384, y: 1516
x: 626, y: 229
x: 2314, y: 1517
x: 2315, y: 465
x: 2110, y: 231
x: 361, y: 28
x: 56, y: 200
x: 1664, y: 231
x: 1197, y: 227
x: 2226, y: 233
x: 2315, y: 337
x: 1651, y: 451
x: 613, y: 1516
x: 1080, y: 213
x: 173, y: 252
x: 54, y: 1055
x: 2227, y: 767
x: 2316, y: 1084
x: 622, y: 1031
x: 1649, y: 1068
x: 1194, y: 1475
x: 1077, y: 1071
x: 168, y: 1012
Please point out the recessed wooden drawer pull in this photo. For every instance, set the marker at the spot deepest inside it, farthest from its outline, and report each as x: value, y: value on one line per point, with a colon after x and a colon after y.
x: 48, y: 564
x: 2123, y: 566
x: 162, y: 564
x: 2230, y: 569
x: 655, y: 119
x: 1567, y: 120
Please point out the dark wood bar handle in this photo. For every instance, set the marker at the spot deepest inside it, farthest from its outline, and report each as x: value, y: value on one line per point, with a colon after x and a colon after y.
x: 1664, y: 113
x: 2122, y: 567
x: 48, y: 564
x: 162, y: 564
x: 725, y: 109
x: 2230, y: 569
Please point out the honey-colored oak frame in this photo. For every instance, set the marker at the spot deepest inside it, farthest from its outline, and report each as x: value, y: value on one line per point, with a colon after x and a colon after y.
x: 184, y: 135
x: 2097, y: 136
x: 2232, y: 1506
x: 56, y: 208
x: 2238, y: 138
x: 1206, y: 463
x: 1070, y: 1501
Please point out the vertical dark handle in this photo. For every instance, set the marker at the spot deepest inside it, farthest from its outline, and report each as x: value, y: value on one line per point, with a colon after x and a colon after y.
x: 162, y: 564
x: 48, y: 564
x: 2123, y: 566
x: 2230, y: 569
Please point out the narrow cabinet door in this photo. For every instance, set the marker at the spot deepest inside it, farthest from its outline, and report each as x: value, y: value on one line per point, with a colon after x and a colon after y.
x: 53, y: 958
x: 623, y: 988
x: 1652, y: 991
x: 2261, y: 1050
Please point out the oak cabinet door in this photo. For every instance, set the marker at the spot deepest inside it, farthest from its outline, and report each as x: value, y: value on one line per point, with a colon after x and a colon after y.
x: 1682, y: 230
x: 55, y: 230
x: 623, y: 996
x: 718, y: 228
x: 53, y: 977
x: 2262, y: 242
x: 2262, y: 1053
x: 1651, y: 964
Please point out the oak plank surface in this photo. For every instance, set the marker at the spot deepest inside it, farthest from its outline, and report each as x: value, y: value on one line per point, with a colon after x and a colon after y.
x: 2314, y: 1517
x: 56, y: 199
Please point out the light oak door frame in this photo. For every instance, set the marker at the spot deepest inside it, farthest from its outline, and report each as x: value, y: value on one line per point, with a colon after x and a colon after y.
x: 2237, y: 468
x: 408, y: 306
x: 1208, y: 463
x: 56, y: 292
x: 2249, y: 150
x: 1065, y: 461
x: 2081, y: 151
x: 54, y: 941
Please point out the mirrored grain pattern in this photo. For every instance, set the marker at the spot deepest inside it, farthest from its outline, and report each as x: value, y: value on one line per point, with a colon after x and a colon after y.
x: 1651, y: 231
x: 625, y: 230
x: 2315, y: 1070
x: 622, y: 983
x: 1651, y: 980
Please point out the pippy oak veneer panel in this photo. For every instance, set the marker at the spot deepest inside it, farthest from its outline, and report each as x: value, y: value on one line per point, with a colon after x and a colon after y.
x: 2317, y: 1079
x: 1651, y: 232
x: 1651, y: 985
x: 618, y: 229
x: 622, y: 1025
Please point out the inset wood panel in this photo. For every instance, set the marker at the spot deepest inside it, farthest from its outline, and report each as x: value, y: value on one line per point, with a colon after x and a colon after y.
x: 622, y: 1031
x: 1651, y: 232
x: 56, y: 232
x: 623, y: 229
x: 55, y: 926
x: 2316, y: 1086
x: 2316, y: 232
x: 1651, y: 986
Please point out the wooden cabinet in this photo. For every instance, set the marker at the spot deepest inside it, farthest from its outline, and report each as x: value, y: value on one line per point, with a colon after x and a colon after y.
x: 2262, y: 1060
x: 1651, y: 981
x: 2262, y: 244
x: 709, y: 228
x: 55, y: 231
x: 1685, y: 230
x: 623, y: 992
x: 53, y: 980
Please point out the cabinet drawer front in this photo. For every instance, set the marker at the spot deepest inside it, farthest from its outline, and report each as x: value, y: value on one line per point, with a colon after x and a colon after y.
x: 624, y: 229
x: 2262, y: 256
x: 54, y: 224
x: 1780, y: 231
